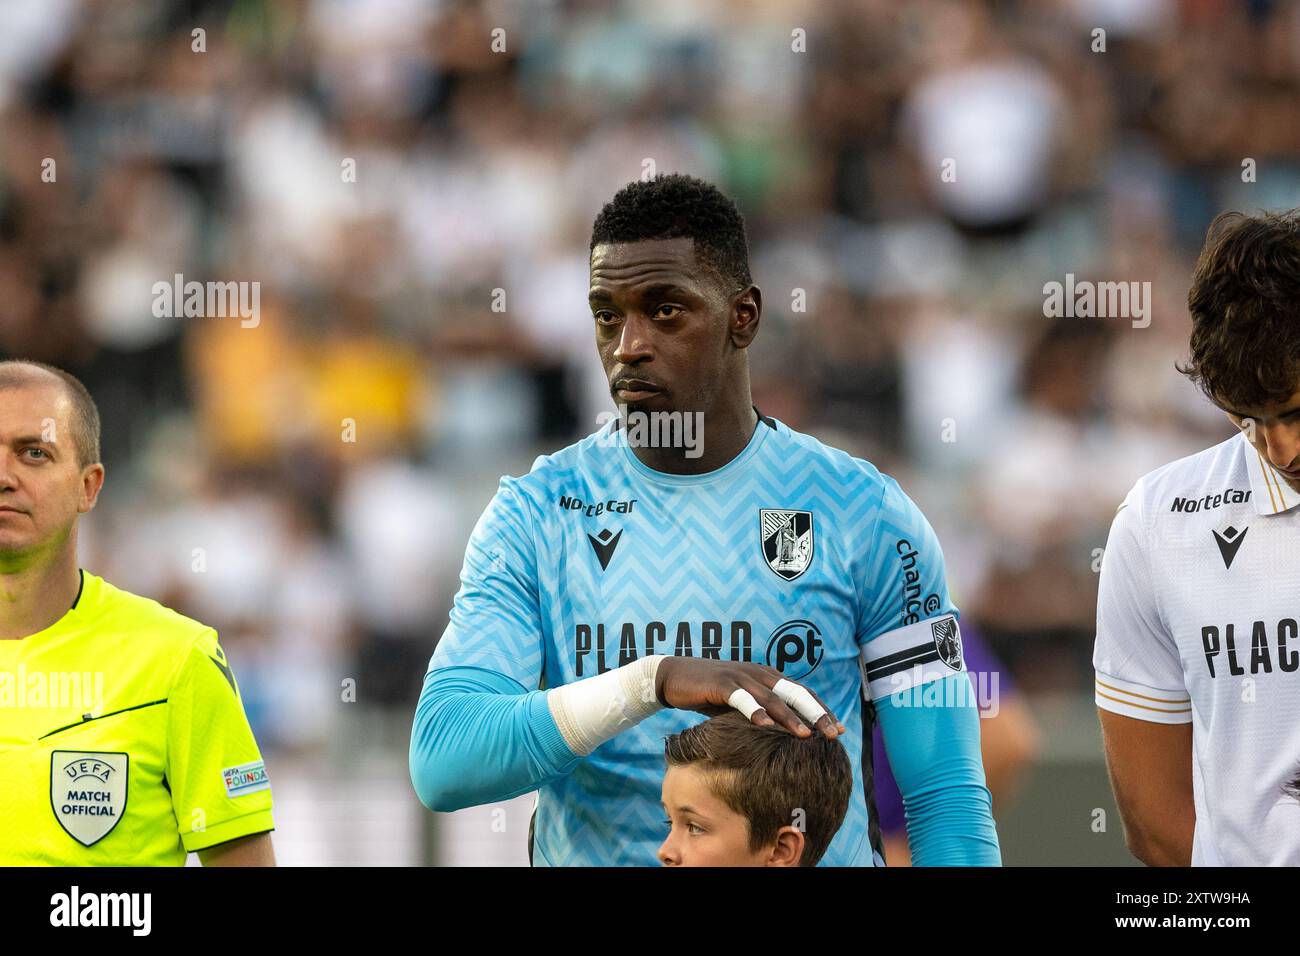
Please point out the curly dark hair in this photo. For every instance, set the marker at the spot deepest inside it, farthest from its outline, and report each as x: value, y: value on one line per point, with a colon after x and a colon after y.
x: 1245, y: 306
x: 768, y: 775
x: 676, y: 206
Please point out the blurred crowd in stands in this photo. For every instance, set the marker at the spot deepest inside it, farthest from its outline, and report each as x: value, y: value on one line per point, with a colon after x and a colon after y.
x: 412, y: 184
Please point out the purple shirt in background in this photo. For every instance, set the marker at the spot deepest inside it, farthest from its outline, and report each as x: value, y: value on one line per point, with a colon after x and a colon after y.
x: 980, y: 662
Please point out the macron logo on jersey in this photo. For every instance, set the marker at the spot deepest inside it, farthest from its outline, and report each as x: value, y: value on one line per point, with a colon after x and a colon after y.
x: 1229, y: 543
x: 604, y: 544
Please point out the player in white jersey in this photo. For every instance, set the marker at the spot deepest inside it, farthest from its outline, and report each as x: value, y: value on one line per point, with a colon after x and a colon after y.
x: 1198, y: 649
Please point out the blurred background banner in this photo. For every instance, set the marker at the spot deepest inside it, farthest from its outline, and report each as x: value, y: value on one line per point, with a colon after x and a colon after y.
x: 323, y: 263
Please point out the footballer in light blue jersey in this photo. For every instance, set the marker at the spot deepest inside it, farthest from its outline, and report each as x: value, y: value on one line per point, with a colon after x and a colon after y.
x: 768, y: 548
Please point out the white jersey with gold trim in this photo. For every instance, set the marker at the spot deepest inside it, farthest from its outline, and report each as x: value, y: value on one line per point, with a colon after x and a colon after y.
x: 1197, y: 622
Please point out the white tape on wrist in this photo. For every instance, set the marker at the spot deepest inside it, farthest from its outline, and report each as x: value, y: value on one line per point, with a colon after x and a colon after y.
x: 801, y: 699
x: 593, y: 710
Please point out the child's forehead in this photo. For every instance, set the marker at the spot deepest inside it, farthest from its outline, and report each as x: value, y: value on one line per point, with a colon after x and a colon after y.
x: 688, y: 774
x: 691, y: 785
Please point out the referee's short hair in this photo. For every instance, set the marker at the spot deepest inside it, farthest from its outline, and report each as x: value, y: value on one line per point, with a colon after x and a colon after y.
x: 18, y: 373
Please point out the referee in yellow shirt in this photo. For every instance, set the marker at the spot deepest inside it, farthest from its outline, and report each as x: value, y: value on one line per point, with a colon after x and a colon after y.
x: 123, y: 740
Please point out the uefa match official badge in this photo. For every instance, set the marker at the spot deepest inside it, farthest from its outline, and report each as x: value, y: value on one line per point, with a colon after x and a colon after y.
x: 787, y: 540
x: 88, y: 792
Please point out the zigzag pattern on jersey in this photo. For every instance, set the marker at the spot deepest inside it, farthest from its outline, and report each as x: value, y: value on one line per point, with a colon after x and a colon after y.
x: 499, y: 559
x: 721, y: 573
x: 690, y: 554
x: 527, y: 557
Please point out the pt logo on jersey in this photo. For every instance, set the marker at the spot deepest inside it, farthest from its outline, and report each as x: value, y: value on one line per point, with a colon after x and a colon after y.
x: 88, y: 792
x: 787, y: 539
x: 795, y: 649
x: 947, y: 641
x: 1229, y: 543
x: 604, y: 544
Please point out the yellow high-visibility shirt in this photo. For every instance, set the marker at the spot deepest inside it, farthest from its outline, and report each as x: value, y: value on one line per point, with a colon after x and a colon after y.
x: 123, y: 739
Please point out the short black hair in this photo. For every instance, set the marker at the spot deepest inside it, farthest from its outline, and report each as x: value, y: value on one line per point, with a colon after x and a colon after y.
x: 17, y: 373
x: 678, y: 206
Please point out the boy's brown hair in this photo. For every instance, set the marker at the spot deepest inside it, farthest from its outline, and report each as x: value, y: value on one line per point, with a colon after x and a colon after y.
x: 1245, y: 307
x: 767, y: 774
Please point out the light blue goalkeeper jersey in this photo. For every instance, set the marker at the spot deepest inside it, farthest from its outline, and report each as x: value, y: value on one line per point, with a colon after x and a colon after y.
x: 794, y: 554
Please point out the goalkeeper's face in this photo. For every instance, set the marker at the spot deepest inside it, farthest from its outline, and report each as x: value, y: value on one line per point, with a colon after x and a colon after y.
x: 43, y: 487
x: 704, y: 831
x: 669, y: 336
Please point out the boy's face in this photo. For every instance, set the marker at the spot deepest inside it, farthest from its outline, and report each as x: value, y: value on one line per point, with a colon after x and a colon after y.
x: 706, y: 832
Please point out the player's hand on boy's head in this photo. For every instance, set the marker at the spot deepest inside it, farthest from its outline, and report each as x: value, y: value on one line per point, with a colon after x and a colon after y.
x: 757, y: 691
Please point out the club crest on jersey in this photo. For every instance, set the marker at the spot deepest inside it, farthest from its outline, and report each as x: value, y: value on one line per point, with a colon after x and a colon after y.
x: 947, y: 641
x: 88, y: 792
x: 787, y: 539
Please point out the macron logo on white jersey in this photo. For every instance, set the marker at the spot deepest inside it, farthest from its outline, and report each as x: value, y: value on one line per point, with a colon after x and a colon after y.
x: 1229, y: 542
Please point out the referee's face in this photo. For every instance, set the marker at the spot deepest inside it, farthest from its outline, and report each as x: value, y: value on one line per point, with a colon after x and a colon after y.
x: 666, y: 331
x: 42, y: 486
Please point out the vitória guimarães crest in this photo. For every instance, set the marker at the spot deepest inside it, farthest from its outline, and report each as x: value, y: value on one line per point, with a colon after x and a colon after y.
x: 787, y: 538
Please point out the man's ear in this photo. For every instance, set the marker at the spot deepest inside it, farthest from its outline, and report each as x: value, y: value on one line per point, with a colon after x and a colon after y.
x: 92, y: 480
x: 746, y: 310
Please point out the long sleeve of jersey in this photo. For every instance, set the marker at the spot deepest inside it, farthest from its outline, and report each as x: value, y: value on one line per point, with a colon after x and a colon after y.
x: 480, y: 737
x: 934, y: 751
x: 914, y: 673
x: 483, y: 731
